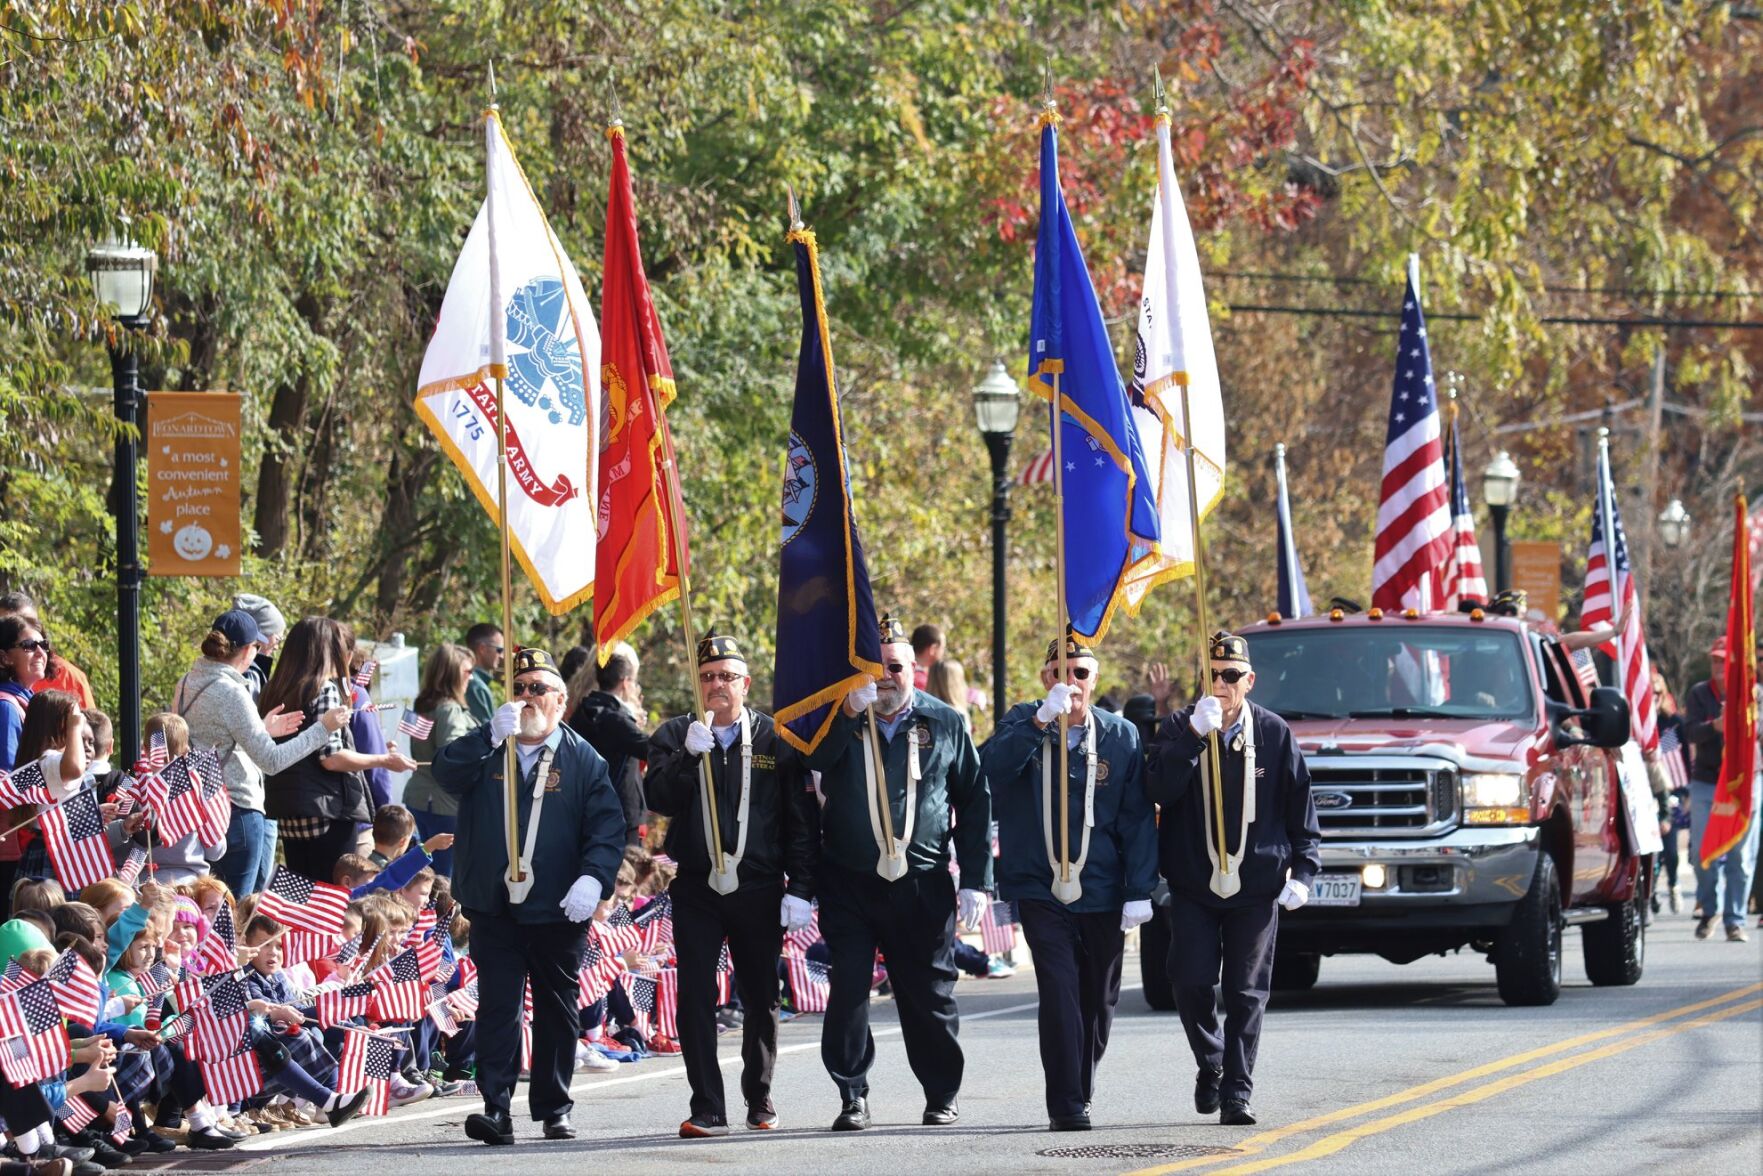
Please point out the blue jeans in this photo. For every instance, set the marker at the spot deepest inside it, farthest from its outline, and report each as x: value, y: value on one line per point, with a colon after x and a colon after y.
x: 239, y: 865
x: 1734, y: 868
x: 266, y: 863
x: 427, y: 825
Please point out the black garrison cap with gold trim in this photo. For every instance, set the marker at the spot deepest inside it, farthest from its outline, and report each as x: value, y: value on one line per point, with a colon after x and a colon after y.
x: 718, y: 647
x: 1073, y: 649
x: 1229, y: 647
x: 530, y: 659
x: 893, y: 632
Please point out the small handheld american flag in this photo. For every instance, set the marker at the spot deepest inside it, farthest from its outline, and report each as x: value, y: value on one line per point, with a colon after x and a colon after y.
x: 33, y: 1041
x: 364, y: 676
x: 73, y: 832
x: 414, y: 725
x: 301, y: 902
x: 367, y: 1061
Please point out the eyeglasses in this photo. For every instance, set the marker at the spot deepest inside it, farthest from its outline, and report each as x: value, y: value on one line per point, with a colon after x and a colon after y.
x: 1231, y: 677
x: 896, y: 667
x: 536, y: 689
x: 31, y: 645
x: 726, y: 677
x: 1081, y: 673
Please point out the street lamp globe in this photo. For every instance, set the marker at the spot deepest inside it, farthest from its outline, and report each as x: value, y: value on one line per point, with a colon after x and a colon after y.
x: 122, y: 276
x: 1674, y: 524
x: 1499, y: 482
x: 996, y: 402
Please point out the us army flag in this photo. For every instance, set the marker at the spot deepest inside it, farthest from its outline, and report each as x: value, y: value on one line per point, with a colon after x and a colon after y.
x: 515, y: 308
x: 1174, y: 348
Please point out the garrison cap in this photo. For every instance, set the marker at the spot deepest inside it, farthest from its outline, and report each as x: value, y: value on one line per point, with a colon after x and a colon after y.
x: 530, y: 659
x: 718, y: 647
x: 893, y: 632
x: 1513, y: 602
x: 1073, y: 649
x: 1229, y: 647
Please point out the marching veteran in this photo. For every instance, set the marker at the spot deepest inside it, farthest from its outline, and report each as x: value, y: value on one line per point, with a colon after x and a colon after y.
x: 1225, y: 900
x: 755, y: 889
x: 883, y: 879
x: 1075, y: 904
x: 570, y: 831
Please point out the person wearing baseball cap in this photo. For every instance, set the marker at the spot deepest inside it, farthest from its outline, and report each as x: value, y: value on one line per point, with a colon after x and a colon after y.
x: 272, y: 625
x: 530, y: 925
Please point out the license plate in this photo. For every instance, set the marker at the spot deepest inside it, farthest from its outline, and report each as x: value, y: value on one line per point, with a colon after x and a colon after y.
x: 1335, y: 890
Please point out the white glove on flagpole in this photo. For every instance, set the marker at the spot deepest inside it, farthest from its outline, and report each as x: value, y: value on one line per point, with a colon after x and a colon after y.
x: 862, y: 697
x: 699, y: 738
x: 1058, y: 703
x: 796, y: 914
x: 1295, y: 895
x: 504, y: 722
x: 582, y: 898
x: 1135, y: 912
x: 1208, y: 716
x: 970, y: 906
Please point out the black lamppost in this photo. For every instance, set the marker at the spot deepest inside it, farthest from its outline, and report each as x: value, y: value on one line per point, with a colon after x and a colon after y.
x: 1499, y: 489
x: 122, y: 276
x: 996, y: 402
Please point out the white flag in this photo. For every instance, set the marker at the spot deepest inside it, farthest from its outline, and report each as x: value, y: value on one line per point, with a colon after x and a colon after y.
x: 1174, y: 348
x: 515, y: 308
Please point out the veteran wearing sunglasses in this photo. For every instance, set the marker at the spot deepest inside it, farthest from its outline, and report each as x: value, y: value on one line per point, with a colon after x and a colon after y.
x: 1081, y: 884
x: 570, y: 831
x: 1225, y: 900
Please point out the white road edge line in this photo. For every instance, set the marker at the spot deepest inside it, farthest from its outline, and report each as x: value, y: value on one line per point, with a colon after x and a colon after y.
x: 581, y: 1086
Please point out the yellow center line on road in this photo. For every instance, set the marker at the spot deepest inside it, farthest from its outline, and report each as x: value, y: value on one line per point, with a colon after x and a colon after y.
x: 1340, y: 1140
x: 1261, y: 1141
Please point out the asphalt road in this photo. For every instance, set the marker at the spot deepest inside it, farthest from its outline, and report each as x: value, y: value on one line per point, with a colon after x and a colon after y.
x: 1379, y: 1069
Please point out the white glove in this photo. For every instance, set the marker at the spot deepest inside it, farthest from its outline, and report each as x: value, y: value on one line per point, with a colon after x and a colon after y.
x: 796, y: 914
x: 1135, y: 912
x: 970, y: 906
x: 582, y: 898
x: 861, y: 698
x: 1295, y: 895
x: 504, y: 722
x: 1208, y: 716
x: 1058, y: 703
x: 699, y: 738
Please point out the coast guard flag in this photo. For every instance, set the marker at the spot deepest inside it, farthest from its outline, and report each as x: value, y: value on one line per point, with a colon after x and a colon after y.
x: 1294, y: 594
x: 827, y: 639
x: 1174, y: 353
x: 515, y: 308
x: 1111, y: 522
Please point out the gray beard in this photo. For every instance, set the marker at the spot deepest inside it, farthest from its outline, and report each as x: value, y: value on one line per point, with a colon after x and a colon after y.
x: 889, y: 703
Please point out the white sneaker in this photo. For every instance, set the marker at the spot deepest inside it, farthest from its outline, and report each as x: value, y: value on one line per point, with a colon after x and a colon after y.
x: 403, y: 1094
x: 593, y: 1061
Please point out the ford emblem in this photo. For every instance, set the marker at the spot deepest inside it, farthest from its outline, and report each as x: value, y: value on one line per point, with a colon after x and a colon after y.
x: 1331, y: 800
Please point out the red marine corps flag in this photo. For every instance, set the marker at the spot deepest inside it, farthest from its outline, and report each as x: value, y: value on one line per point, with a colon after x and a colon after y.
x: 642, y: 520
x: 1731, y: 813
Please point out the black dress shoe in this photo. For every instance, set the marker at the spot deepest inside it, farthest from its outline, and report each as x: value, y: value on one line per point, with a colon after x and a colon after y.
x: 557, y: 1127
x: 853, y: 1116
x: 1206, y: 1090
x: 103, y: 1151
x: 1236, y: 1113
x: 346, y: 1110
x: 158, y: 1144
x: 68, y: 1152
x: 491, y: 1127
x: 208, y: 1139
x: 1077, y: 1122
x: 941, y: 1114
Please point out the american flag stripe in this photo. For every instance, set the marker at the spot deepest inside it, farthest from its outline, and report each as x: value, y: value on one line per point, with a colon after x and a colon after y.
x: 73, y: 832
x: 810, y: 984
x: 299, y: 947
x: 997, y: 931
x: 217, y: 947
x: 233, y: 1078
x: 1413, y: 541
x: 667, y: 1002
x: 1465, y: 581
x: 25, y: 785
x: 301, y: 902
x: 75, y: 987
x: 76, y: 1113
x: 1634, y: 669
x: 364, y: 676
x: 1038, y: 472
x: 1677, y: 769
x: 415, y: 726
x: 33, y: 1041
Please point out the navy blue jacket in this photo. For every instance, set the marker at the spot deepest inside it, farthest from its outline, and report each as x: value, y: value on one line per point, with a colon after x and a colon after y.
x: 1284, y: 835
x: 581, y: 830
x: 1122, y: 866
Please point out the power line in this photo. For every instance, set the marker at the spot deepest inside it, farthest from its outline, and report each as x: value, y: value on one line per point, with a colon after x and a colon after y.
x: 1625, y: 291
x: 1569, y: 320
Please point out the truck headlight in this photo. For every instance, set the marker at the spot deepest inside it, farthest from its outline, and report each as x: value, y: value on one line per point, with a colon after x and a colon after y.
x: 1494, y: 798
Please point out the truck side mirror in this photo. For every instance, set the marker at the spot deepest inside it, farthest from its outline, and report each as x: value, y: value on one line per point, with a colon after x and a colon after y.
x: 1605, y: 723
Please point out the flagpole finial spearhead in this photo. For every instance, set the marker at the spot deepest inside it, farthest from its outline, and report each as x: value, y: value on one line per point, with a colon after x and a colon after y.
x: 1158, y: 93
x: 796, y: 225
x: 492, y: 78
x: 1047, y: 102
x: 617, y: 120
x: 1279, y: 450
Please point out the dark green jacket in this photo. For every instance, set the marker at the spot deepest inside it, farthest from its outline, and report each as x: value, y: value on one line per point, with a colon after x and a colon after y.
x: 580, y: 832
x: 478, y: 698
x: 950, y: 783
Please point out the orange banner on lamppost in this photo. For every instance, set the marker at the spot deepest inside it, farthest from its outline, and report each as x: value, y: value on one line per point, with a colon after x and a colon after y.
x: 192, y: 442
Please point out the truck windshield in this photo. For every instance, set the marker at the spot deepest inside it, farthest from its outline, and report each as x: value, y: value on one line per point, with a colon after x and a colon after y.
x: 1400, y: 671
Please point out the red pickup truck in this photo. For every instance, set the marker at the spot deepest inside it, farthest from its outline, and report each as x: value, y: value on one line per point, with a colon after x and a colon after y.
x: 1466, y: 785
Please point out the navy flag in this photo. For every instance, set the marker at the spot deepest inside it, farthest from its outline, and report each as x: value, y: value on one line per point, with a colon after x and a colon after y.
x: 827, y: 639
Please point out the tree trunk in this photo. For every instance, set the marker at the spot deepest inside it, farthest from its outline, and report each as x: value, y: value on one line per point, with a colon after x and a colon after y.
x: 287, y: 418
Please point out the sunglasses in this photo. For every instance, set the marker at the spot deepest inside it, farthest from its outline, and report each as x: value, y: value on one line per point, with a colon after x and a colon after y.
x: 32, y: 646
x: 535, y: 689
x: 896, y: 667
x: 1231, y: 677
x: 726, y: 677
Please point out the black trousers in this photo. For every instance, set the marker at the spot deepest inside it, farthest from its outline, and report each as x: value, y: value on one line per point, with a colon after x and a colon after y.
x: 1077, y: 976
x: 508, y: 954
x: 912, y: 921
x: 1206, y: 940
x: 748, y: 919
x: 317, y: 858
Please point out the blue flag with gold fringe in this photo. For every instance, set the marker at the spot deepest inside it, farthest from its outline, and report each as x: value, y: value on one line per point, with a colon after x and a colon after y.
x: 827, y: 638
x: 1111, y: 520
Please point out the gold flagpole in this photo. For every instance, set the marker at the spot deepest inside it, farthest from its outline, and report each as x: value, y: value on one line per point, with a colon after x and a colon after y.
x: 1049, y: 113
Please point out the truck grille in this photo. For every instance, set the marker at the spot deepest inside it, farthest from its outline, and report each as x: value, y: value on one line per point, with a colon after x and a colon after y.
x: 1366, y: 797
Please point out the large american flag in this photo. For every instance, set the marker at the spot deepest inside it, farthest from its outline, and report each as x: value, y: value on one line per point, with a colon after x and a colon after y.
x: 33, y: 1041
x: 73, y: 832
x: 301, y: 902
x: 1465, y: 582
x: 367, y: 1061
x: 1413, y: 543
x: 1634, y: 672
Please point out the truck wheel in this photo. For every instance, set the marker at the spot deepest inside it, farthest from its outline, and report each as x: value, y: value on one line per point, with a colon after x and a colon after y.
x: 1527, y: 955
x: 1295, y: 971
x: 1616, y: 949
x: 1154, y: 961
